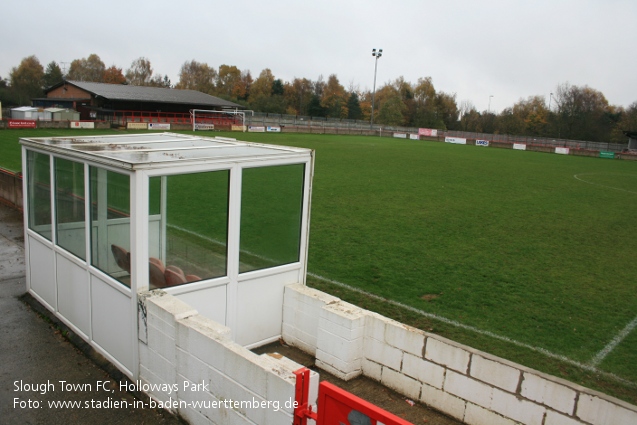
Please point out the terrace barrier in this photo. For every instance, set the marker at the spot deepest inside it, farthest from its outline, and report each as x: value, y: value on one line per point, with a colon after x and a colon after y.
x: 467, y: 384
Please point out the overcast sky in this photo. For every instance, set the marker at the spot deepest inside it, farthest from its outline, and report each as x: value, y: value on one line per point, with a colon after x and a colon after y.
x: 476, y: 49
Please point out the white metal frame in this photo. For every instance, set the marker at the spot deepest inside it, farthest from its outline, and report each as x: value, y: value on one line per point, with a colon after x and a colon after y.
x: 139, y: 175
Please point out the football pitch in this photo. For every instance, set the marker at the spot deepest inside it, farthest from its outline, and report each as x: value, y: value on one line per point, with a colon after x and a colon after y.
x: 526, y: 255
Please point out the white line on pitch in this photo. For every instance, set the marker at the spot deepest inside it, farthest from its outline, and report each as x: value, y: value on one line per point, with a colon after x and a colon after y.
x: 614, y: 343
x: 576, y: 176
x: 588, y: 367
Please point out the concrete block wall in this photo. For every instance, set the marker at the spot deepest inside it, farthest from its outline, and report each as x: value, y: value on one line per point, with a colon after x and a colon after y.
x: 472, y: 386
x: 190, y: 364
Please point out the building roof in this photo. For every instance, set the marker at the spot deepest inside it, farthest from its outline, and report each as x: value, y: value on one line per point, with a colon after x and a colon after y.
x: 24, y: 109
x: 122, y: 92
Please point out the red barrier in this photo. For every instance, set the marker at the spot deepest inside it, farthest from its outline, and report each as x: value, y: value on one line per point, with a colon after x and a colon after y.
x: 337, y: 406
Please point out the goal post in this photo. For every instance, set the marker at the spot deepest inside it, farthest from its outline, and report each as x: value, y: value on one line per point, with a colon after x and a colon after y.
x: 206, y: 119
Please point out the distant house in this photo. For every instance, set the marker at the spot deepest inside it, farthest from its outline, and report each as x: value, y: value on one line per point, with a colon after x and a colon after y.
x: 100, y: 100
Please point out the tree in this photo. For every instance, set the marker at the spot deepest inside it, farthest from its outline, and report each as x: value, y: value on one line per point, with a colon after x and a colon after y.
x: 354, y: 111
x: 87, y: 69
x: 27, y: 79
x: 229, y: 83
x: 582, y: 113
x: 334, y: 98
x: 140, y: 73
x: 52, y: 75
x: 447, y: 110
x: 113, y: 75
x: 425, y: 112
x: 314, y: 108
x: 391, y: 112
x: 262, y: 94
x: 297, y: 95
x: 197, y: 76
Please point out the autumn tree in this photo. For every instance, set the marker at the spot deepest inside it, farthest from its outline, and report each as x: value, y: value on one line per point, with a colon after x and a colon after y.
x: 113, y: 75
x: 197, y: 76
x: 140, y: 72
x: 424, y: 114
x: 87, y: 69
x: 52, y: 75
x: 266, y: 94
x: 297, y: 96
x: 27, y: 79
x: 229, y: 83
x: 334, y: 98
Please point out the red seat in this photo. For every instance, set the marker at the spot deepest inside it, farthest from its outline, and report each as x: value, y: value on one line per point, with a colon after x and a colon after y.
x: 122, y: 257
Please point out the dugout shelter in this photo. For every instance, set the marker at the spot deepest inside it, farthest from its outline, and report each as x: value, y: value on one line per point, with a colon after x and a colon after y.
x: 218, y: 223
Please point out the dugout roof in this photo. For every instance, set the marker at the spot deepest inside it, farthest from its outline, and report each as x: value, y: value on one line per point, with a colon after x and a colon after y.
x: 158, y: 150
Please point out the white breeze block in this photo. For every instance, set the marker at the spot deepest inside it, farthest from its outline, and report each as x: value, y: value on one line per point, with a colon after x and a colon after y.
x: 343, y: 319
x: 403, y: 384
x: 171, y: 307
x: 372, y: 369
x: 601, y: 412
x: 554, y: 418
x: 495, y: 373
x: 468, y: 389
x: 516, y: 408
x: 405, y: 338
x: 382, y: 353
x: 447, y: 355
x: 476, y: 415
x: 445, y: 402
x: 552, y: 394
x: 424, y: 371
x: 375, y: 326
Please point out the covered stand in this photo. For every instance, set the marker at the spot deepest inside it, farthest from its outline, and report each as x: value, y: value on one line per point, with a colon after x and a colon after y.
x: 218, y: 223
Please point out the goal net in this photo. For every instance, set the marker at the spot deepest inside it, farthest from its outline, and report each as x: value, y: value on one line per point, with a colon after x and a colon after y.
x: 203, y: 119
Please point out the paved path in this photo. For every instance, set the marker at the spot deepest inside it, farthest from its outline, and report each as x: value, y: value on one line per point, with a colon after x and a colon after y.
x: 33, y: 352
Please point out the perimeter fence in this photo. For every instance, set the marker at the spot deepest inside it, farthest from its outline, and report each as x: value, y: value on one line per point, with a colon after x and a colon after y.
x: 308, y: 124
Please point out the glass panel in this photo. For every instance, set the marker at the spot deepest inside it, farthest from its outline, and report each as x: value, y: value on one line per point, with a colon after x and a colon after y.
x: 39, y: 193
x: 69, y: 206
x: 110, y: 223
x: 271, y: 208
x: 188, y: 227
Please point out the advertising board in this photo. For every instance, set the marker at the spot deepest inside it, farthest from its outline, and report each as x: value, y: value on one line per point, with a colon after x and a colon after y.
x: 22, y: 124
x: 274, y: 129
x: 256, y: 129
x: 562, y: 151
x: 431, y: 132
x: 456, y: 140
x: 400, y: 135
x: 482, y: 143
x: 414, y: 137
x: 204, y: 126
x: 82, y: 124
x: 137, y: 126
x: 606, y: 154
x: 158, y: 126
x: 519, y: 146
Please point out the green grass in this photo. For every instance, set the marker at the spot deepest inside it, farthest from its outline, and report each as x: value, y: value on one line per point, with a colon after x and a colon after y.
x: 505, y: 241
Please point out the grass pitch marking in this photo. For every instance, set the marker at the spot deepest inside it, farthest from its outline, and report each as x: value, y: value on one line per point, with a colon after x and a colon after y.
x: 614, y: 343
x: 578, y: 177
x: 589, y: 367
